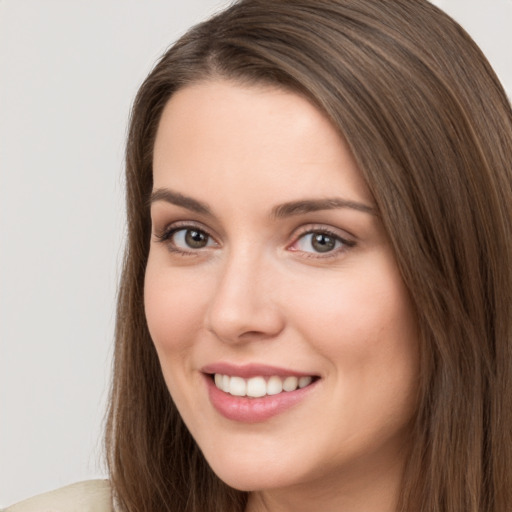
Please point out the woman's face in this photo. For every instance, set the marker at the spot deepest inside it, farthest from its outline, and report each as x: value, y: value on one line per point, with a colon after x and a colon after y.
x: 268, y: 269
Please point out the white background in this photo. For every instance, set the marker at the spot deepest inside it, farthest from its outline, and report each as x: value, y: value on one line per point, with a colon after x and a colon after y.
x: 69, y: 70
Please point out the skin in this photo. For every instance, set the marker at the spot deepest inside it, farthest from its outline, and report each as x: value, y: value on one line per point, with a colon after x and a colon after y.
x: 260, y: 292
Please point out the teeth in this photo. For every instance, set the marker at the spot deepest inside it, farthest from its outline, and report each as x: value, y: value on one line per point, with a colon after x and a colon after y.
x: 226, y: 383
x: 274, y: 386
x: 290, y: 383
x: 256, y: 387
x: 237, y: 386
x: 305, y: 381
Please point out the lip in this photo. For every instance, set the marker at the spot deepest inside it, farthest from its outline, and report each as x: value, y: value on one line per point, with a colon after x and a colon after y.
x: 247, y: 371
x: 253, y: 410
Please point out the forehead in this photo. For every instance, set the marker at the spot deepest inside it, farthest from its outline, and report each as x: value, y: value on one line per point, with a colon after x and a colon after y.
x: 217, y: 133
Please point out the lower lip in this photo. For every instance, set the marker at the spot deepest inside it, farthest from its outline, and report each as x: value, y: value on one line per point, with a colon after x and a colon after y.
x: 254, y: 410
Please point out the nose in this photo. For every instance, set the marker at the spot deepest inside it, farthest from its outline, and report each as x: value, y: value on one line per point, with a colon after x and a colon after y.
x: 244, y: 305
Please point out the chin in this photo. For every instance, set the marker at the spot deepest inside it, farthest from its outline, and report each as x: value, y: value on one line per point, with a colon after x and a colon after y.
x: 249, y: 474
x: 253, y: 479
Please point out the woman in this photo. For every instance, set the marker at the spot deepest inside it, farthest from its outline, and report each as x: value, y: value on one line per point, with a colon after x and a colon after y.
x: 315, y: 308
x: 430, y: 131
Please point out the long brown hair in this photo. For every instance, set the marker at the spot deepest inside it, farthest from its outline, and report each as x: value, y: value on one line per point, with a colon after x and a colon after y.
x: 431, y: 129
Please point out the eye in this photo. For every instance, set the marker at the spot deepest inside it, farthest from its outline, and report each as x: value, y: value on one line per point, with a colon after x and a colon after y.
x: 320, y: 242
x: 190, y: 238
x: 186, y: 239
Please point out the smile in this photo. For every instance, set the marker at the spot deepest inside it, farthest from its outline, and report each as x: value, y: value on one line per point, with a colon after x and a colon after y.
x: 257, y: 387
x: 256, y: 393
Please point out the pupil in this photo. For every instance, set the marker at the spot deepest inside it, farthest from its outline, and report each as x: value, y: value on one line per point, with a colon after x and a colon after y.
x: 196, y: 239
x: 323, y: 243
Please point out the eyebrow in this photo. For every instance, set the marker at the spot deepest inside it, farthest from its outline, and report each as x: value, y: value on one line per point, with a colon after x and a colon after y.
x: 169, y: 196
x: 284, y: 210
x: 313, y: 205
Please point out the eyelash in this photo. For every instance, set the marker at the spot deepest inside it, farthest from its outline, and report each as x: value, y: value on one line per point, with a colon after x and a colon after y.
x: 345, y: 243
x: 166, y: 238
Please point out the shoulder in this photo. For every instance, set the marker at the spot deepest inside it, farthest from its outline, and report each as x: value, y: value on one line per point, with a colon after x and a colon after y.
x: 88, y: 496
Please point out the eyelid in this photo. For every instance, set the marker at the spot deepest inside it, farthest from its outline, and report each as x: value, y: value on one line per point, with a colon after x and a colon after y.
x: 180, y: 224
x: 164, y: 236
x: 348, y: 241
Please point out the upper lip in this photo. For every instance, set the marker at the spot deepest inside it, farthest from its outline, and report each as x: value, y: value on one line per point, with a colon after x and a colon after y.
x: 251, y: 370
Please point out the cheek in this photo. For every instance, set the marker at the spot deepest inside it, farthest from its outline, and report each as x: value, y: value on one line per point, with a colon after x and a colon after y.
x: 361, y: 320
x: 173, y: 309
x: 364, y: 326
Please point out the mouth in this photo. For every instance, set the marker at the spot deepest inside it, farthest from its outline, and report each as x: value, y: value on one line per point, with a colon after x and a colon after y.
x: 255, y: 393
x: 259, y: 386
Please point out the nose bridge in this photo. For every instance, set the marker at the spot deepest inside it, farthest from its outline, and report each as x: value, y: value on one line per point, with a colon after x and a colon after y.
x: 242, y: 306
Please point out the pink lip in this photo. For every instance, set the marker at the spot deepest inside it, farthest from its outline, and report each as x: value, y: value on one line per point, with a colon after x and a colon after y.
x: 250, y: 370
x: 253, y: 410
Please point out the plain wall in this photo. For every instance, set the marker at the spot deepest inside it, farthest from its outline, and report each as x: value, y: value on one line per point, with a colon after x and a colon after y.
x: 69, y: 70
